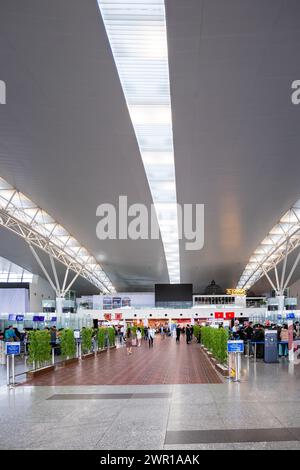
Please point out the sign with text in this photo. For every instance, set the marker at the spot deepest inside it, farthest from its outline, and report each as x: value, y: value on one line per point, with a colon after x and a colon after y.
x: 235, y: 346
x: 290, y: 316
x: 236, y: 291
x: 12, y: 348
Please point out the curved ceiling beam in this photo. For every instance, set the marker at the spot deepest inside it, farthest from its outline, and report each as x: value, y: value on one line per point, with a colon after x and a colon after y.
x: 282, y: 239
x: 23, y: 217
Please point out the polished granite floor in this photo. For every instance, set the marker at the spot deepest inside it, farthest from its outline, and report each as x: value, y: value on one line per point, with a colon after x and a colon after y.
x: 264, y: 408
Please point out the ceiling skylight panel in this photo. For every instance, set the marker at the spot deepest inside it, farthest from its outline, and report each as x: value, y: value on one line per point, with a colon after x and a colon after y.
x: 137, y: 34
x: 31, y: 222
x: 273, y: 247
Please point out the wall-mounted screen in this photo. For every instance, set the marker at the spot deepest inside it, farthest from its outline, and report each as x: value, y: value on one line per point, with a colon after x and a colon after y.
x: 173, y: 293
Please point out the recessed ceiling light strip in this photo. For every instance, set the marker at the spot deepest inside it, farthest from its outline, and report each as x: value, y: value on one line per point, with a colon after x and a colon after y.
x: 137, y: 34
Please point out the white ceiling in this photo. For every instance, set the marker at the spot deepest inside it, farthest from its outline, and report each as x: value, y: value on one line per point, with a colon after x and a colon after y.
x: 236, y: 133
x: 66, y: 139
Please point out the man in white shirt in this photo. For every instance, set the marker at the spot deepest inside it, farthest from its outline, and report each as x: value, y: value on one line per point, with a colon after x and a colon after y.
x: 151, y: 334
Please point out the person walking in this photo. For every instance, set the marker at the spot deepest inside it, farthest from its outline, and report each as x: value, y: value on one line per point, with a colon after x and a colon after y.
x: 151, y: 334
x: 139, y: 337
x: 146, y: 330
x: 129, y: 337
x: 121, y: 334
x: 178, y: 331
x: 188, y: 334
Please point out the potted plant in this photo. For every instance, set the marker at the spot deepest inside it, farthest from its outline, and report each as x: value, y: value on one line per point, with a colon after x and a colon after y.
x: 39, y: 352
x: 67, y: 345
x: 111, y: 337
x: 101, y: 337
x: 86, y: 340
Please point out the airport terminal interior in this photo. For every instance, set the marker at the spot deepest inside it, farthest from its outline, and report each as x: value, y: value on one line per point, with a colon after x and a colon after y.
x: 149, y: 225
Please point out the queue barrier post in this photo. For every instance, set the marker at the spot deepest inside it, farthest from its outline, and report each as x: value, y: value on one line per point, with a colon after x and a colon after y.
x: 13, y: 368
x: 235, y: 348
x: 7, y: 371
x: 10, y: 365
x: 237, y: 366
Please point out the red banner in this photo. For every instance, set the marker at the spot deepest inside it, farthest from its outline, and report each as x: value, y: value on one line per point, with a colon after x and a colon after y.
x: 118, y: 316
x: 107, y: 316
x: 229, y: 315
x: 219, y: 315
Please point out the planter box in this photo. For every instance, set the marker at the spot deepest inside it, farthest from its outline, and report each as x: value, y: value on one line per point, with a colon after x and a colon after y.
x: 67, y: 362
x: 223, y: 370
x: 101, y: 351
x: 87, y: 356
x: 36, y: 373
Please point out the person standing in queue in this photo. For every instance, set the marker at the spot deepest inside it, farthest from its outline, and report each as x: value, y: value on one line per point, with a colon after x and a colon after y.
x: 178, y: 331
x: 10, y: 334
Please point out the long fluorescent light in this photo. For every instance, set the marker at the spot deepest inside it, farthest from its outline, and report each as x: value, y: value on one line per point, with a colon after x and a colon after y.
x: 137, y: 33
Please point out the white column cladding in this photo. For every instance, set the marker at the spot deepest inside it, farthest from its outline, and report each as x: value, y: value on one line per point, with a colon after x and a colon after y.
x: 280, y: 299
x: 59, y: 304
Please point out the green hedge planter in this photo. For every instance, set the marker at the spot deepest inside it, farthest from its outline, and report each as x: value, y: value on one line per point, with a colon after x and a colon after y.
x: 215, y: 340
x: 39, y: 347
x: 67, y: 343
x: 86, y: 339
x: 111, y: 336
x: 101, y: 337
x: 197, y: 332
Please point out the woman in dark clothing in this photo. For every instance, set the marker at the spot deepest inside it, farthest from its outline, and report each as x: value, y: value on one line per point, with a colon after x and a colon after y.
x: 259, y: 336
x: 178, y: 331
x: 129, y: 337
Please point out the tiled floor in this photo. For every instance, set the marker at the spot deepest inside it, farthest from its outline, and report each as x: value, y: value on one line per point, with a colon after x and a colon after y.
x: 264, y: 408
x: 165, y: 363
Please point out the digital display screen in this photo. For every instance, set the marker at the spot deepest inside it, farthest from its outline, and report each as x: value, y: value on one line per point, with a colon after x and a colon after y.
x: 11, y: 317
x: 20, y: 317
x: 173, y: 292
